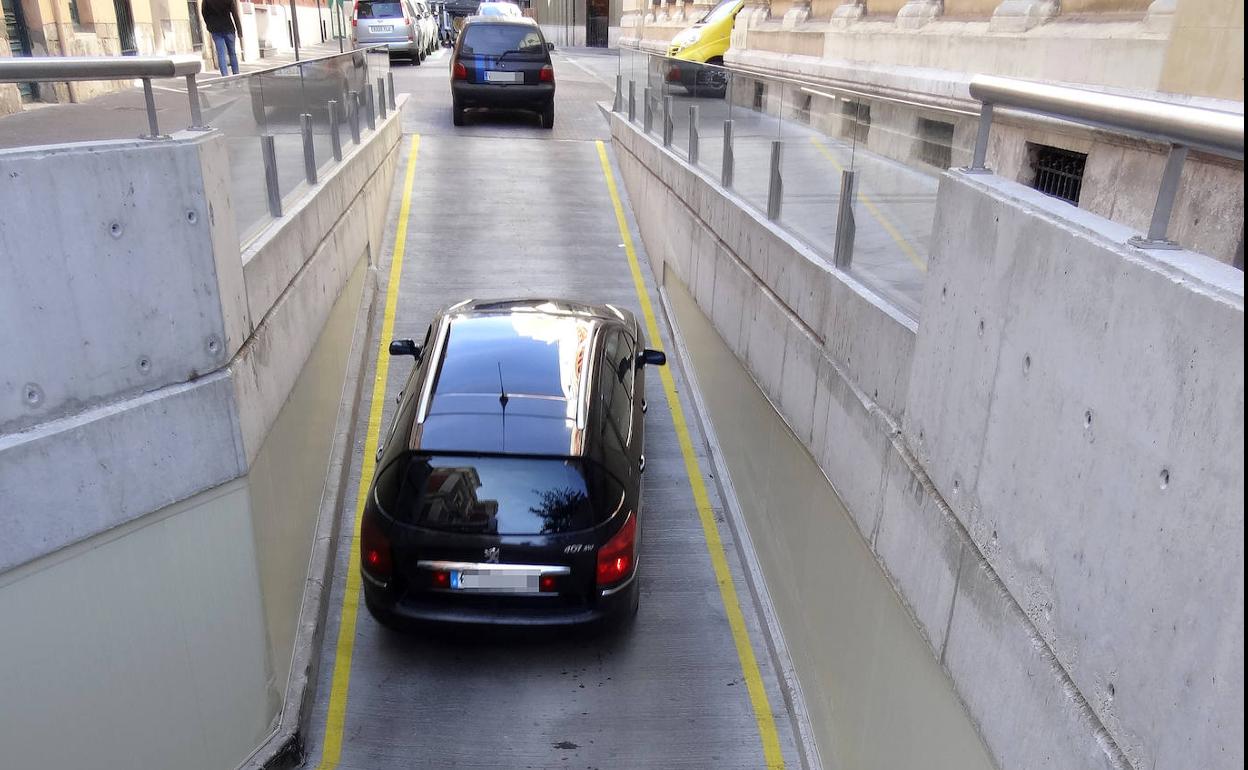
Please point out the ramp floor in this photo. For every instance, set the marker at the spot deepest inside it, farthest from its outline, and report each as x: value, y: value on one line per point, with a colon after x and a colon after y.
x: 504, y: 208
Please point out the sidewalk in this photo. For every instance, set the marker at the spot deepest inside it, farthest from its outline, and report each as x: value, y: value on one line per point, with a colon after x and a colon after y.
x: 122, y: 114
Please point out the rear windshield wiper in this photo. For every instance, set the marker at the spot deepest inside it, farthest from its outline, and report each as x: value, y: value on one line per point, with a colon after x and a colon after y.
x: 505, y: 54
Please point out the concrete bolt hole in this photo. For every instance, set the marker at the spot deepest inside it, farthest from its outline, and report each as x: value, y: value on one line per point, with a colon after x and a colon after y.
x: 944, y: 292
x: 1087, y: 419
x: 1110, y: 689
x: 192, y: 217
x: 981, y: 327
x: 214, y: 345
x: 957, y: 486
x: 33, y: 394
x: 1026, y: 364
x: 145, y: 364
x: 1165, y: 477
x: 115, y: 229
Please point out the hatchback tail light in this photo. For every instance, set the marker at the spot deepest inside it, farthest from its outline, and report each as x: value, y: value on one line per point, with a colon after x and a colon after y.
x: 355, y: 9
x: 460, y: 71
x: 374, y: 548
x: 618, y: 557
x: 547, y: 74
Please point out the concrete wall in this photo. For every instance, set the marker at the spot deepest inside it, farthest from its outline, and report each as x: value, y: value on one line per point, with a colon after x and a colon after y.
x: 1069, y: 598
x: 159, y: 359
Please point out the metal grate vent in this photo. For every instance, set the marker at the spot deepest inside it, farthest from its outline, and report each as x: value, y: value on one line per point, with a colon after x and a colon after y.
x: 1057, y: 172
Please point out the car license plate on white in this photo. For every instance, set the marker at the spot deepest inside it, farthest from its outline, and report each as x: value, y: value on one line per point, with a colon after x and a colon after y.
x: 494, y: 76
x: 511, y: 581
x: 381, y: 28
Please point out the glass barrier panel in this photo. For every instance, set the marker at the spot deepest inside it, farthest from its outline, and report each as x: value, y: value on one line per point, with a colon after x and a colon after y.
x: 809, y: 172
x: 283, y: 101
x: 754, y: 103
x: 234, y: 106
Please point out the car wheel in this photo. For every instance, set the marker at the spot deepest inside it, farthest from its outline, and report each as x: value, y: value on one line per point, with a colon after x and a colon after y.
x: 548, y: 116
x: 457, y: 114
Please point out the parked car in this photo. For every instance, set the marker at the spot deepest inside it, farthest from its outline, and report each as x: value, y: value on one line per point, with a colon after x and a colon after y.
x: 392, y: 23
x: 508, y: 490
x: 502, y: 61
x: 703, y: 45
x: 428, y: 26
x: 499, y: 8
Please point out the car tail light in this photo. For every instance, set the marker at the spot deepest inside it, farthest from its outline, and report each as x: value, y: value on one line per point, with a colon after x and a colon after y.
x: 618, y: 557
x: 548, y: 74
x: 460, y: 72
x: 440, y: 579
x: 548, y: 584
x: 374, y: 548
x: 355, y: 9
x: 673, y: 75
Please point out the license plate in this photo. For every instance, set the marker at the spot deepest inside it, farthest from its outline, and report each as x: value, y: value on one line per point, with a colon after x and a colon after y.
x: 511, y: 581
x: 381, y: 28
x: 493, y: 76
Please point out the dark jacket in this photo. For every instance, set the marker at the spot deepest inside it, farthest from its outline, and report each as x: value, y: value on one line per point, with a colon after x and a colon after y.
x: 221, y: 17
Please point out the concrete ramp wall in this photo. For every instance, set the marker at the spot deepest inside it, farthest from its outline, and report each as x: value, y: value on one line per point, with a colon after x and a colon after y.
x: 1048, y: 469
x: 148, y: 354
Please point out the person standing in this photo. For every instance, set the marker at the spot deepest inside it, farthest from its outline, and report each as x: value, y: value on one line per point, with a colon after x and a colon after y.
x: 221, y: 18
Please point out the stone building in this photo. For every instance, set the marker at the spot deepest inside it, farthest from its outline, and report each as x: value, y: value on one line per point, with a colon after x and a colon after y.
x: 909, y: 63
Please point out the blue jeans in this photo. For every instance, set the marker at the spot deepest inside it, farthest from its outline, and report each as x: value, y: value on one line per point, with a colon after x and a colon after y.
x: 224, y: 41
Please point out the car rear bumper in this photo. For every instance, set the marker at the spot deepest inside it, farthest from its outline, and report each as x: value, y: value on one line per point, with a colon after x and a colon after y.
x: 416, y: 607
x: 490, y: 95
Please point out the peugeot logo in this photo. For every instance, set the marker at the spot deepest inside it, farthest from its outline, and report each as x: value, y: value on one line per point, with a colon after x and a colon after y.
x: 491, y: 555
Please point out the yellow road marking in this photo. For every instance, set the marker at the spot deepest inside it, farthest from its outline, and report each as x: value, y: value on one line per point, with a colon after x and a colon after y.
x: 892, y: 231
x: 719, y: 561
x: 337, y: 714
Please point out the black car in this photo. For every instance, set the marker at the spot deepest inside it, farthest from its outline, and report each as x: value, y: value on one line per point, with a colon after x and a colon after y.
x: 509, y: 488
x: 501, y: 61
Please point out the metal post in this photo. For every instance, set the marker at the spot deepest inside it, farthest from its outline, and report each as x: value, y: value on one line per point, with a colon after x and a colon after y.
x: 381, y: 98
x: 197, y: 113
x: 668, y: 125
x: 394, y: 104
x: 843, y: 250
x: 370, y: 107
x: 647, y: 113
x: 335, y: 130
x: 294, y: 29
x: 693, y: 135
x: 618, y: 103
x: 981, y: 140
x: 150, y: 99
x: 269, y: 154
x: 1166, y: 193
x: 309, y: 150
x: 353, y: 115
x: 775, y: 190
x: 632, y: 101
x: 725, y: 171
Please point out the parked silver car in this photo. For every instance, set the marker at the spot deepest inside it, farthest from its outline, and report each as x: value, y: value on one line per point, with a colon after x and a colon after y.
x: 394, y: 23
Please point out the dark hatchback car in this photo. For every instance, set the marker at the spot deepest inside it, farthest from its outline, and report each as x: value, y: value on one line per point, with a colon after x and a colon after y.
x: 509, y: 488
x: 502, y: 62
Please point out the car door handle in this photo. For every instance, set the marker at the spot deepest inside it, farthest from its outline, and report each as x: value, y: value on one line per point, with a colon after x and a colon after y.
x: 642, y: 465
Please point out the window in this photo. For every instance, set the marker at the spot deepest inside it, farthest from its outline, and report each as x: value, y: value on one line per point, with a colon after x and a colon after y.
x: 497, y: 39
x: 936, y: 148
x: 496, y: 495
x: 377, y: 9
x: 1057, y: 172
x: 855, y: 120
x: 616, y: 383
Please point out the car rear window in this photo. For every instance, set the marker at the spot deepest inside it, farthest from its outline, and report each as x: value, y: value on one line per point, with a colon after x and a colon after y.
x: 520, y: 353
x: 375, y: 9
x: 496, y: 495
x: 497, y: 39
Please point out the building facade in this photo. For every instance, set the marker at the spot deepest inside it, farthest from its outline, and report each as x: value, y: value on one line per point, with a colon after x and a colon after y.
x: 918, y: 56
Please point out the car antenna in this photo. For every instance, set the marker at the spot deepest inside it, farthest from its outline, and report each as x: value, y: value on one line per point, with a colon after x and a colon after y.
x: 502, y: 392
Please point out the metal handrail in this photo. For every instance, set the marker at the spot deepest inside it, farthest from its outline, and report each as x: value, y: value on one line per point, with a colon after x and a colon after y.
x: 307, y: 60
x: 61, y: 69
x: 1217, y: 132
x: 66, y: 69
x: 1179, y: 125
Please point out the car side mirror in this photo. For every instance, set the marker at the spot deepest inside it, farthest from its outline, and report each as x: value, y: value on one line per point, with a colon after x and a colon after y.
x: 651, y: 357
x: 405, y: 348
x: 550, y: 46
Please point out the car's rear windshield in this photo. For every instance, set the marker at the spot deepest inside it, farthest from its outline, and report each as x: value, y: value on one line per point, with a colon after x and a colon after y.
x: 496, y: 495
x: 498, y: 39
x: 375, y: 9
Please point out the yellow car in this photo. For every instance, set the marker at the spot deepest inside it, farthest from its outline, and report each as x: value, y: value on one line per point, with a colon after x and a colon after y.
x: 705, y: 42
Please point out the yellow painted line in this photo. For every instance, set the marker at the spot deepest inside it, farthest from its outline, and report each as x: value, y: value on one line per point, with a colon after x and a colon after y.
x: 719, y: 560
x: 337, y: 714
x: 892, y: 231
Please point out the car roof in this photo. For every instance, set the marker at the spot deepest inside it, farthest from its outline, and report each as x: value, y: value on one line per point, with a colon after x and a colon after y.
x: 512, y: 377
x: 520, y: 20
